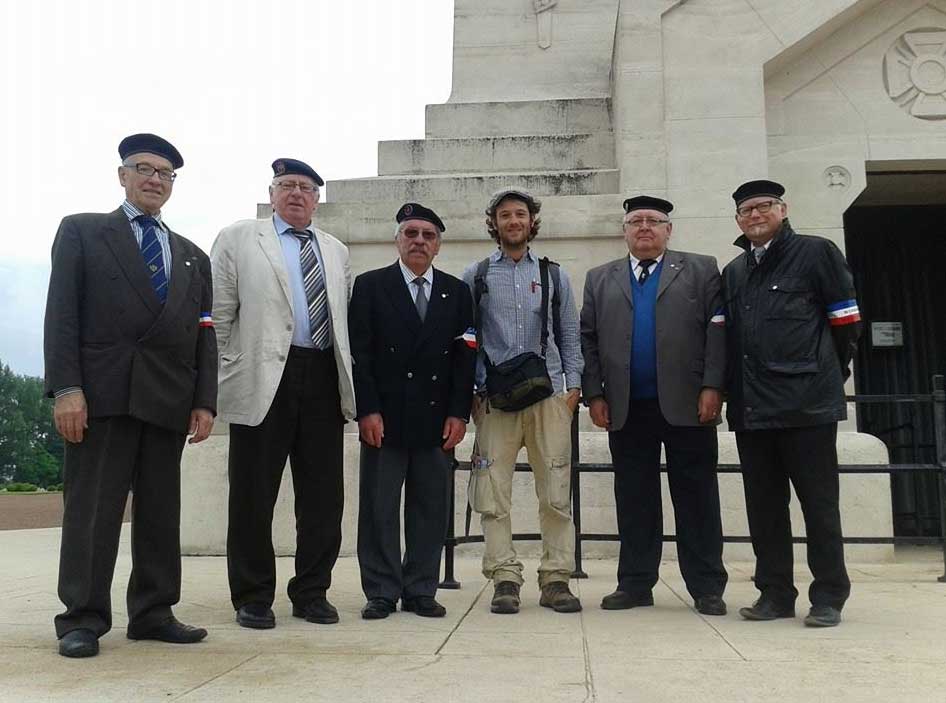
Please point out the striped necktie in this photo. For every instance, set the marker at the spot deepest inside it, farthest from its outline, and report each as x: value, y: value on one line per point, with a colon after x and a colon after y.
x: 645, y: 265
x: 153, y: 257
x: 313, y: 280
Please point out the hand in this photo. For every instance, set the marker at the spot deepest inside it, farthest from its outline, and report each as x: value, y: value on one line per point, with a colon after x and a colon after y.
x: 709, y: 404
x: 572, y: 398
x: 454, y: 430
x: 371, y: 428
x: 71, y: 415
x: 201, y: 423
x: 600, y: 412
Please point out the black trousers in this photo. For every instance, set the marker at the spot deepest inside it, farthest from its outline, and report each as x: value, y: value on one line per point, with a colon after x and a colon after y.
x: 692, y: 454
x: 425, y: 475
x: 808, y: 457
x: 304, y: 424
x: 116, y: 455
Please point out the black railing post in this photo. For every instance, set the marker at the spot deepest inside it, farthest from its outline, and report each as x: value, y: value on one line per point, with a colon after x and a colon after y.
x: 939, y: 428
x: 450, y: 544
x: 578, y: 573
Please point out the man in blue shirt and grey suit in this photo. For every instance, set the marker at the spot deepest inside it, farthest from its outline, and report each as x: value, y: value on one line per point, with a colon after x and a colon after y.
x: 653, y: 339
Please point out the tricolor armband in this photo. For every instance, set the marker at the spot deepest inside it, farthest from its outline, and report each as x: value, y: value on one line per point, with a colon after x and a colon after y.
x: 469, y: 337
x: 206, y: 320
x: 719, y: 317
x: 843, y: 312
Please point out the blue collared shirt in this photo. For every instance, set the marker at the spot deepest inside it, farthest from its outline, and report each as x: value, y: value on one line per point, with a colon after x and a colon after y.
x: 301, y: 330
x: 511, y: 319
x: 161, y: 231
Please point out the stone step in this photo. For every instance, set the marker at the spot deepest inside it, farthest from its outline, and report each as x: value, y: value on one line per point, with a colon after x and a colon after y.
x: 570, y: 216
x: 496, y: 154
x: 530, y: 117
x: 472, y: 186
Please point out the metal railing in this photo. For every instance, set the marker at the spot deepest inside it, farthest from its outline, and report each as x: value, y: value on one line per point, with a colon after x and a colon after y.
x: 937, y: 398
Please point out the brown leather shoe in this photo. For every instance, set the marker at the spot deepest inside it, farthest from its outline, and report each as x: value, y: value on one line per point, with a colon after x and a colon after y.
x: 505, y: 598
x: 555, y: 595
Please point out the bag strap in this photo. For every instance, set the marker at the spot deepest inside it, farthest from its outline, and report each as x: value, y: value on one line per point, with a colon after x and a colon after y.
x: 556, y: 272
x: 480, y: 287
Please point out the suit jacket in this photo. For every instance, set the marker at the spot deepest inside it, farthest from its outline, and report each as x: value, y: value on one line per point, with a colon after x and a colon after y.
x: 691, y: 349
x: 416, y: 374
x: 253, y: 315
x: 106, y: 330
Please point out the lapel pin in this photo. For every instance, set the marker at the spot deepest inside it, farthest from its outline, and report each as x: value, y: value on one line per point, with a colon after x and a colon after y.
x: 187, y: 263
x: 443, y: 295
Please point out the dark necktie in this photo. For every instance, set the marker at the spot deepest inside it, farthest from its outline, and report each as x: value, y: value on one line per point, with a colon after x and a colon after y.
x: 313, y: 280
x: 421, y: 300
x: 645, y: 265
x: 153, y: 257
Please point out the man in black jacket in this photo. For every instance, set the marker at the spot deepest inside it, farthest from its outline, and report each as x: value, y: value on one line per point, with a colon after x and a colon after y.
x: 131, y: 359
x: 412, y: 347
x: 792, y: 325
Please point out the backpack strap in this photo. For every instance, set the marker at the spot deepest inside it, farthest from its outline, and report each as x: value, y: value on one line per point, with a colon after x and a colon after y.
x: 555, y: 271
x: 479, y: 288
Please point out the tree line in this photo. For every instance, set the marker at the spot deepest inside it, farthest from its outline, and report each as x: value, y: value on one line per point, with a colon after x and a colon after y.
x: 31, y: 451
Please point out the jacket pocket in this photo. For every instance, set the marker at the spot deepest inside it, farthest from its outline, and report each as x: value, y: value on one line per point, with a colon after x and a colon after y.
x: 791, y: 368
x: 789, y: 298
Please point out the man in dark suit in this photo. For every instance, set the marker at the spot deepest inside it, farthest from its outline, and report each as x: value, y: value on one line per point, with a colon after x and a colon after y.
x: 131, y: 359
x: 413, y: 350
x: 654, y: 345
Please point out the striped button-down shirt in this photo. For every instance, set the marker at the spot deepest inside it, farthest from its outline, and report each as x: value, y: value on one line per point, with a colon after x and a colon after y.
x: 161, y: 231
x: 511, y: 319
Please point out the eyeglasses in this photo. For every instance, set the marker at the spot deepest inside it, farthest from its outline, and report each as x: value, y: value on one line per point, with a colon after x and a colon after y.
x: 428, y: 234
x: 289, y: 186
x: 649, y: 221
x: 763, y: 208
x: 148, y: 170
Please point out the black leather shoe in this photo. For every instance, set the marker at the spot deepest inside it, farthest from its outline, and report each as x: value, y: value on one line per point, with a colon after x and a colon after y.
x: 710, y: 605
x: 377, y: 609
x: 317, y: 610
x: 425, y: 606
x: 764, y: 609
x: 823, y: 616
x: 256, y: 616
x: 623, y: 600
x: 78, y: 644
x: 171, y: 630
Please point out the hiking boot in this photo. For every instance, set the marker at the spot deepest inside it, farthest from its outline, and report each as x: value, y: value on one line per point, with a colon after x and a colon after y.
x: 505, y: 598
x: 555, y: 595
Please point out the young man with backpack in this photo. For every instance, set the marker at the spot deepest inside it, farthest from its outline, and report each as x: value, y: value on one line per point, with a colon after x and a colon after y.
x: 528, y: 380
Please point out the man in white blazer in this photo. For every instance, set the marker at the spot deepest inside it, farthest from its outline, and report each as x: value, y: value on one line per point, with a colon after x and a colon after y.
x: 281, y: 290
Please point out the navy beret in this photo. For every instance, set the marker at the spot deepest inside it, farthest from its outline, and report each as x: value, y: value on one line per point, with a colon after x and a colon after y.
x: 150, y: 144
x: 289, y: 167
x: 648, y: 202
x: 755, y: 189
x: 416, y: 211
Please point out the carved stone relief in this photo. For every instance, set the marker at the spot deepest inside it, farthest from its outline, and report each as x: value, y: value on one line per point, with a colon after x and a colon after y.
x: 543, y: 19
x: 915, y: 73
x: 837, y: 178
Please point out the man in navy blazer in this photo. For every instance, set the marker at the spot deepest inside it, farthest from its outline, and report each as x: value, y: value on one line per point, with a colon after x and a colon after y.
x: 131, y: 359
x: 413, y: 351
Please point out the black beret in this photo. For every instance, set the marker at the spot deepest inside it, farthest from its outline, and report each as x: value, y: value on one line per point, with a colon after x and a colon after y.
x: 289, y: 167
x: 647, y: 202
x: 416, y: 211
x: 150, y: 144
x: 755, y: 189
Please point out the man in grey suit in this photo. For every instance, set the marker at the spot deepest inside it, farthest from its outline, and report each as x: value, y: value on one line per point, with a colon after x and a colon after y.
x: 653, y: 338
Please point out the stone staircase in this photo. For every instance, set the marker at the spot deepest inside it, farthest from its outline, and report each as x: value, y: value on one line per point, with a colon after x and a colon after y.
x: 561, y: 150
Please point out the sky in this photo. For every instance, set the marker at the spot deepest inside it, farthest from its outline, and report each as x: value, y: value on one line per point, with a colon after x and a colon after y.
x: 232, y: 84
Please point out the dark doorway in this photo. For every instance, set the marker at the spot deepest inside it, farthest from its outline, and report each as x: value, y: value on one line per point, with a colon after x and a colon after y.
x: 898, y: 256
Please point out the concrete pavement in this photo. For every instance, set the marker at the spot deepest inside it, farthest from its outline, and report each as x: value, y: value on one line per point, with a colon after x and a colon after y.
x: 891, y: 646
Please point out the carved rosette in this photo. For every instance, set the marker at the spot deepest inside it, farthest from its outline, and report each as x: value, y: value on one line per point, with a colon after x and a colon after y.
x: 915, y: 73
